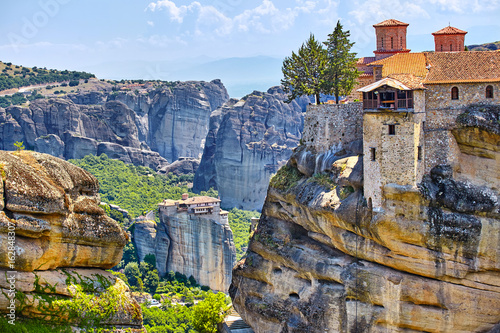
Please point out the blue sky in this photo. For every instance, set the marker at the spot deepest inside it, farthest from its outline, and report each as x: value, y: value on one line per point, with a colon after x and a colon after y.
x: 81, y: 34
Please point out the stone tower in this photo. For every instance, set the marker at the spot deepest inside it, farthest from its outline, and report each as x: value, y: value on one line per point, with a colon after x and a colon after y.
x: 449, y: 39
x: 391, y: 38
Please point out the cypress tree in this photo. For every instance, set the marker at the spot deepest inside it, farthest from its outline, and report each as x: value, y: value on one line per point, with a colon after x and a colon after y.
x: 341, y: 74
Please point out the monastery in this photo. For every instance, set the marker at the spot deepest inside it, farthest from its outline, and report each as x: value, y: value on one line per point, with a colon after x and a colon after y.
x: 203, y: 207
x: 410, y: 104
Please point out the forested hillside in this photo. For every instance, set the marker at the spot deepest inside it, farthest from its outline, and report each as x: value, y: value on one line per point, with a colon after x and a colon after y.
x: 15, y: 76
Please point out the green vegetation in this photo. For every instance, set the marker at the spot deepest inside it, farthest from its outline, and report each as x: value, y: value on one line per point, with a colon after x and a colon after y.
x: 286, y: 178
x: 315, y: 70
x: 324, y: 180
x: 304, y: 71
x: 136, y: 189
x: 11, y: 77
x: 240, y: 221
x: 19, y: 146
x: 26, y: 325
x: 341, y: 72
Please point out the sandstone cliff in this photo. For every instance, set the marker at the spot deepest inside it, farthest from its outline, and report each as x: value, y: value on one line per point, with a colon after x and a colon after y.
x: 145, y: 128
x: 247, y: 142
x: 190, y: 245
x: 57, y: 239
x: 429, y: 261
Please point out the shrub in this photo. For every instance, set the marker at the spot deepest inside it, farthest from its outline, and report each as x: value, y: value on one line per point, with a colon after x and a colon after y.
x: 286, y: 177
x: 74, y: 83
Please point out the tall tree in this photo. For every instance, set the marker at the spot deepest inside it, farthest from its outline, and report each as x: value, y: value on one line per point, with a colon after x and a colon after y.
x: 342, y: 73
x: 304, y: 71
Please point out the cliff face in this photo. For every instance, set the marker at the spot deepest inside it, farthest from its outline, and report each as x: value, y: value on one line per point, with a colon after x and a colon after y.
x: 322, y: 260
x: 247, y: 142
x: 190, y: 245
x: 145, y: 128
x: 50, y: 219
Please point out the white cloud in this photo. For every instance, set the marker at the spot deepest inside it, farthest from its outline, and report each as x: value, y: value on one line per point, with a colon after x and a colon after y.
x: 379, y: 10
x: 151, y: 23
x: 265, y: 18
x: 464, y: 6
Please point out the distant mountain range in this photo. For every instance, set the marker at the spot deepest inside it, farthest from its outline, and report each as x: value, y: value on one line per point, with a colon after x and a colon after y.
x: 485, y: 47
x: 241, y: 76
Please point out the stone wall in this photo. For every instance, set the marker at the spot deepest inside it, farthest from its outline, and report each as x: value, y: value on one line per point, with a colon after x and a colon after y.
x: 332, y: 126
x: 396, y: 157
x: 441, y: 115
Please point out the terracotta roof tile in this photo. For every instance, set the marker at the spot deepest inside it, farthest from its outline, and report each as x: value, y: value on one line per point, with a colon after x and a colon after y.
x: 411, y: 81
x: 403, y: 63
x: 365, y: 60
x: 450, y: 31
x: 449, y: 67
x: 390, y: 23
x: 190, y: 201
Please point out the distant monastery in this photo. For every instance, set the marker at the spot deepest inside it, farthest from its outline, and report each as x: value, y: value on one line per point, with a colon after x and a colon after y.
x: 202, y: 206
x: 410, y: 102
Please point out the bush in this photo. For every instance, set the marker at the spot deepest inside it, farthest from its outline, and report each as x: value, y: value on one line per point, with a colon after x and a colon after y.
x: 286, y: 177
x: 74, y: 83
x: 64, y: 84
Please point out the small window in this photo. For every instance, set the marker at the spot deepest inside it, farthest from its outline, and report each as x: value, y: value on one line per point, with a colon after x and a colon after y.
x: 489, y: 92
x: 451, y: 47
x: 372, y: 154
x: 454, y: 93
x: 441, y: 47
x: 419, y: 153
x: 392, y: 43
x: 382, y: 43
x: 392, y: 129
x: 401, y: 42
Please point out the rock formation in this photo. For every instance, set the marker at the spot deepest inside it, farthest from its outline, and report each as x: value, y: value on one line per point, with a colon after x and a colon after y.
x: 145, y: 128
x: 198, y: 246
x: 322, y: 259
x: 247, y: 142
x: 56, y: 240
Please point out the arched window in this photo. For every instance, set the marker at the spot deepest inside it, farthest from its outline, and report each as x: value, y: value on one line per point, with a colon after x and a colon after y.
x: 489, y: 92
x: 441, y: 47
x: 392, y: 43
x: 454, y: 93
x: 382, y: 43
x: 401, y: 42
x: 451, y: 47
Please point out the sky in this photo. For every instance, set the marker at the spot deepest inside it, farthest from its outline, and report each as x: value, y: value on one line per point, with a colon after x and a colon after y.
x: 92, y: 34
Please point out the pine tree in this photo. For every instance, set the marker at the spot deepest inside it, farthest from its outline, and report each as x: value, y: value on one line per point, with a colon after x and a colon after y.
x: 304, y: 71
x: 342, y: 73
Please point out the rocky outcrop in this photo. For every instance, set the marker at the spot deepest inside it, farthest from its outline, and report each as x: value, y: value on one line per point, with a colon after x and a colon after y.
x: 144, y: 128
x: 56, y: 242
x: 322, y: 260
x: 247, y: 142
x: 183, y: 166
x: 194, y: 246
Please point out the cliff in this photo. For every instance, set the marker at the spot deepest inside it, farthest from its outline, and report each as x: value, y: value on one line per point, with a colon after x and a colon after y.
x: 191, y: 245
x: 56, y: 243
x: 248, y: 140
x: 428, y: 260
x: 146, y: 127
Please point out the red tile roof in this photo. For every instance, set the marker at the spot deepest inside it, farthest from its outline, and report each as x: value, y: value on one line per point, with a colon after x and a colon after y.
x: 451, y: 67
x: 403, y: 63
x: 450, y: 31
x: 390, y: 23
x: 365, y: 60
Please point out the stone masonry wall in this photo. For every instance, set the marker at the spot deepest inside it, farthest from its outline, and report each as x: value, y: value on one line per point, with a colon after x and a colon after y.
x: 396, y: 155
x: 331, y: 126
x: 442, y: 111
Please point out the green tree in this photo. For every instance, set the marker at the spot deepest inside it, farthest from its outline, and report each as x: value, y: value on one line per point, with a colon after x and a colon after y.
x: 132, y: 273
x: 151, y: 281
x: 341, y: 74
x: 19, y: 146
x: 304, y: 71
x: 150, y: 259
x: 209, y: 312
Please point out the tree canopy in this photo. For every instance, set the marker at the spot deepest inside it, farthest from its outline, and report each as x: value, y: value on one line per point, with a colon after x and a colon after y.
x: 341, y: 73
x: 304, y: 71
x: 314, y: 70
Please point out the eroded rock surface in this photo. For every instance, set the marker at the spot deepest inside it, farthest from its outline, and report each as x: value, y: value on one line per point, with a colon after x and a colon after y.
x: 321, y: 260
x: 247, y: 142
x: 55, y: 242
